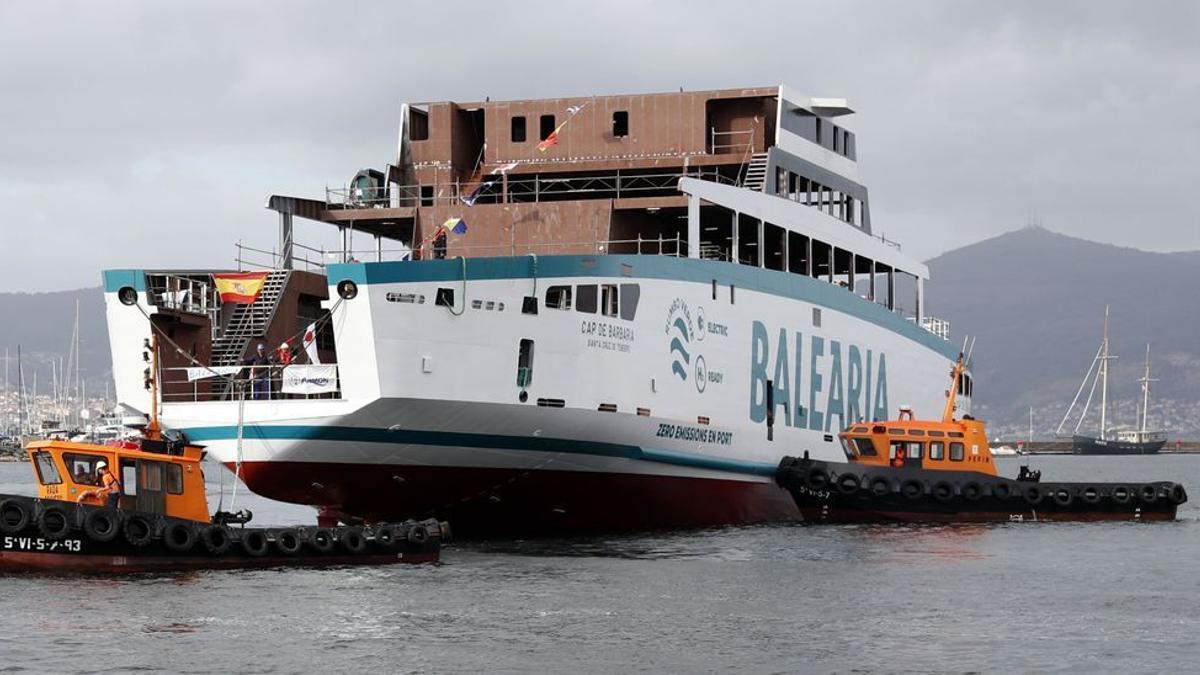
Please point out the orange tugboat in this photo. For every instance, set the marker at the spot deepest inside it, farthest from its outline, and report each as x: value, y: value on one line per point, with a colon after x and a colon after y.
x: 909, y: 470
x: 141, y: 506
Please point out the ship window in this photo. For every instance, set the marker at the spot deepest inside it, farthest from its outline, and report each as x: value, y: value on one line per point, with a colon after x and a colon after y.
x: 956, y: 452
x: 955, y: 434
x: 585, y: 298
x: 846, y: 447
x: 82, y: 468
x: 174, y: 479
x: 608, y: 300
x: 418, y: 125
x: 865, y: 447
x: 621, y: 123
x: 816, y: 317
x: 937, y: 450
x: 558, y: 297
x: 547, y: 126
x: 933, y: 432
x: 47, y: 472
x: 630, y: 293
x: 916, y: 432
x: 518, y: 129
x: 524, y: 363
x: 914, y: 449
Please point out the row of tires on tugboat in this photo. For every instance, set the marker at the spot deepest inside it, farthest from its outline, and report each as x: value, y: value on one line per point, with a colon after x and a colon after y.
x: 57, y: 521
x: 819, y: 478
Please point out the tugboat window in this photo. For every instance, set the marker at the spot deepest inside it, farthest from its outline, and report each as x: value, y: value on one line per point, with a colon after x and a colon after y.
x: 865, y: 447
x: 914, y: 449
x: 174, y: 479
x: 937, y: 450
x: 956, y: 452
x: 82, y: 468
x: 46, y: 471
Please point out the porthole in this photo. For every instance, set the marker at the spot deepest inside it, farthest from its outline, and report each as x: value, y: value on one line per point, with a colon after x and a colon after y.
x: 347, y: 290
x: 127, y: 295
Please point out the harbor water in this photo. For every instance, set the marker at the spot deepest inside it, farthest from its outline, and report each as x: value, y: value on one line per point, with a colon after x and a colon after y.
x: 1095, y: 597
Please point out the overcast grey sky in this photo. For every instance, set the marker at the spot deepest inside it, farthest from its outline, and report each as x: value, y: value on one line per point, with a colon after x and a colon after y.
x: 149, y: 134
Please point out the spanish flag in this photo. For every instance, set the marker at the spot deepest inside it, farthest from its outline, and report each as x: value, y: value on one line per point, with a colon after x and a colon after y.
x: 240, y: 287
x: 551, y: 141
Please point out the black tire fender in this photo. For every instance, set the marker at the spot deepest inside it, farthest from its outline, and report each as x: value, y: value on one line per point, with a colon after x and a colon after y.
x: 848, y: 483
x: 321, y: 540
x: 385, y: 536
x: 14, y: 515
x: 817, y: 478
x: 179, y: 537
x: 880, y: 486
x: 255, y: 543
x: 418, y: 534
x: 1178, y: 494
x: 971, y: 491
x: 352, y: 540
x: 216, y: 539
x: 1148, y: 494
x: 1090, y: 494
x: 1034, y: 495
x: 1002, y: 491
x: 1122, y: 494
x: 1063, y: 497
x: 942, y: 491
x: 102, y: 524
x: 139, y: 529
x: 912, y: 489
x: 287, y: 541
x: 54, y: 522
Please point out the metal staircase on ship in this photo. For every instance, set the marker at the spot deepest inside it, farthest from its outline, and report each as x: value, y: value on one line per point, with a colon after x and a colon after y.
x: 756, y: 172
x: 249, y: 322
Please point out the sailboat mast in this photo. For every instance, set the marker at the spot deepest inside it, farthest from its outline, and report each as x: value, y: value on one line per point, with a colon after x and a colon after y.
x: 1146, y: 391
x: 1104, y: 380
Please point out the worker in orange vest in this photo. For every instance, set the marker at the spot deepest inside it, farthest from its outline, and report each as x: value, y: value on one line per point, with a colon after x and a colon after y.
x: 110, y: 487
x: 898, y: 460
x: 283, y: 355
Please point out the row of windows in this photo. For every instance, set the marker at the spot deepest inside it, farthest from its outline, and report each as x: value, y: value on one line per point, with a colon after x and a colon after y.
x: 547, y: 125
x: 840, y: 205
x: 607, y: 299
x: 839, y: 136
x: 82, y: 470
x: 911, y: 449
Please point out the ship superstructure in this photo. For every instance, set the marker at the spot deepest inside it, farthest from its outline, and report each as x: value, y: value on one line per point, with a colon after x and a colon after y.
x: 572, y: 314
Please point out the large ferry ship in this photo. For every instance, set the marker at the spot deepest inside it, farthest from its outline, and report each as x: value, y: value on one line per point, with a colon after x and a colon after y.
x: 571, y: 315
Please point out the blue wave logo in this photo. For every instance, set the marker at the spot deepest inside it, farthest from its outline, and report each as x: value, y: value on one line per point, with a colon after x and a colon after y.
x: 679, y: 347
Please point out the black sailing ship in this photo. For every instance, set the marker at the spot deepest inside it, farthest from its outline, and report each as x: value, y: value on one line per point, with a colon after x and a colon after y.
x: 1108, y: 441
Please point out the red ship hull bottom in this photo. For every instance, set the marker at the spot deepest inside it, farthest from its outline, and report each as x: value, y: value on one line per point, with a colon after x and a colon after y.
x: 482, y: 502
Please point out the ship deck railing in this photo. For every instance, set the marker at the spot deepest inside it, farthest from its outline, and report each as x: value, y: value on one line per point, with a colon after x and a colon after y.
x: 673, y: 246
x: 524, y: 188
x: 197, y: 384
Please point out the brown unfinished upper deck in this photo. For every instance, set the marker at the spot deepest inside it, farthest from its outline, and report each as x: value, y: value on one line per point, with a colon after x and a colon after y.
x: 612, y: 176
